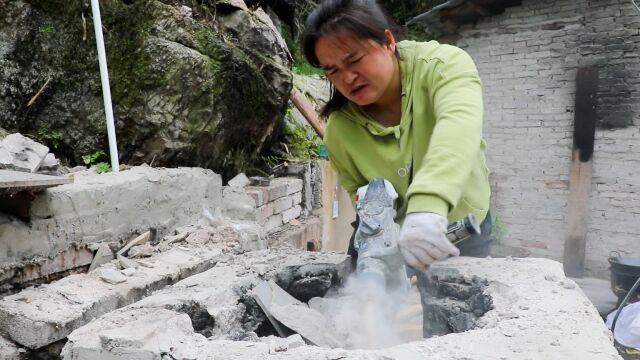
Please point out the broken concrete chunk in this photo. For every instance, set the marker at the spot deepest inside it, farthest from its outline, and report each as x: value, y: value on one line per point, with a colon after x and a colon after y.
x: 6, y: 159
x: 112, y: 276
x: 128, y: 271
x: 143, y: 238
x: 27, y: 154
x: 50, y: 162
x: 239, y: 181
x: 144, y: 250
x: 103, y: 256
x: 127, y: 263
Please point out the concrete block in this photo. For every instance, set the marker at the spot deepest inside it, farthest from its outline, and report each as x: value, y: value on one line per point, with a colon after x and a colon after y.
x: 40, y: 316
x: 252, y: 235
x: 292, y: 213
x: 239, y: 181
x: 110, y: 207
x: 27, y: 155
x: 282, y: 204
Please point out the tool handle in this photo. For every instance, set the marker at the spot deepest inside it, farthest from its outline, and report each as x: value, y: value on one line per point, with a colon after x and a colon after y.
x: 462, y: 229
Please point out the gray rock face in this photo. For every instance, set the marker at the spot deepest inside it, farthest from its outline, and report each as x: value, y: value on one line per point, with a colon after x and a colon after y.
x: 189, y: 88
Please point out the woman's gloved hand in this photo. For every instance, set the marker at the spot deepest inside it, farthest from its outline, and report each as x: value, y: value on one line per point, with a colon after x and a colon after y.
x: 423, y: 240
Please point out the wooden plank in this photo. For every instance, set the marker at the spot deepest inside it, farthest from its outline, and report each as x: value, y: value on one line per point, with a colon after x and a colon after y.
x: 10, y: 179
x: 581, y: 171
x: 307, y: 110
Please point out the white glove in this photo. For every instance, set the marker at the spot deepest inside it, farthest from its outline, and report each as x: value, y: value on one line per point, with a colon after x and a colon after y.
x: 362, y: 190
x: 423, y: 240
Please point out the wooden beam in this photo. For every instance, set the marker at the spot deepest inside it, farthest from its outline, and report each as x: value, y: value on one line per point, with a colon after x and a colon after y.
x: 581, y: 171
x: 15, y: 181
x: 307, y: 110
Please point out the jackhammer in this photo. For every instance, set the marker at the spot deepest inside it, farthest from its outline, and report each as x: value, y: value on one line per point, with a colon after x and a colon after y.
x: 376, y: 241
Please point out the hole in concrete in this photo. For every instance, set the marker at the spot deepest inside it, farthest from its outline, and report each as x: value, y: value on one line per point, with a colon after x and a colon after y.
x: 201, y: 320
x: 452, y: 303
x: 308, y: 281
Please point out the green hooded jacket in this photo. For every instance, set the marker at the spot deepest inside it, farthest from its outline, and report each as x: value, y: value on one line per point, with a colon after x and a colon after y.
x: 435, y: 157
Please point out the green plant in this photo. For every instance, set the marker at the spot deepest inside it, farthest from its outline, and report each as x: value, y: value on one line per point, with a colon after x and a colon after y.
x: 52, y: 138
x: 102, y: 167
x: 498, y: 228
x: 302, y: 67
x: 93, y: 159
x: 301, y: 143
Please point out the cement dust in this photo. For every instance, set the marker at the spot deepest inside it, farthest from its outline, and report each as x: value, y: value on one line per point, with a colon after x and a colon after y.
x: 364, y: 316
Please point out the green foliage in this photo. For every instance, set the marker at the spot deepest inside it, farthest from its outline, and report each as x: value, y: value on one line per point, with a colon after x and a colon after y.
x: 46, y: 29
x: 301, y: 143
x: 498, y: 228
x: 91, y: 159
x: 302, y: 67
x: 103, y: 167
x: 94, y: 159
x: 52, y: 138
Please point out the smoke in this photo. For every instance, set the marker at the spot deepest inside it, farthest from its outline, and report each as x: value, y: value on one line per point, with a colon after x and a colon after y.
x: 361, y: 315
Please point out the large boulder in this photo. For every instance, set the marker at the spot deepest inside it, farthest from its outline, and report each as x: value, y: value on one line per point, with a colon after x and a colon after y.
x: 203, y: 85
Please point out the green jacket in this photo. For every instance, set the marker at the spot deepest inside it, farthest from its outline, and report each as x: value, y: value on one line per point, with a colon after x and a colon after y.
x: 435, y: 157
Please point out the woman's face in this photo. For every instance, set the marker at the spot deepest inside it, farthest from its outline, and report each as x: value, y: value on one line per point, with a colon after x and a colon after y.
x: 361, y: 69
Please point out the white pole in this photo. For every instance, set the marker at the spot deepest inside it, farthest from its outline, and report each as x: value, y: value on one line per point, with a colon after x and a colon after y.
x: 106, y: 91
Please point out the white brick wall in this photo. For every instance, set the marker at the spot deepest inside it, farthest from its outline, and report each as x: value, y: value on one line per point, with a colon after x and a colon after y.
x: 528, y: 58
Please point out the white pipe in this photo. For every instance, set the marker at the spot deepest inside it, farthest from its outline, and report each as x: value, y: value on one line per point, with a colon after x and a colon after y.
x: 106, y: 91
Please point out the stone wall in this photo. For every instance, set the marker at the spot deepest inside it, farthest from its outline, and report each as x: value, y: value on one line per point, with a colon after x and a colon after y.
x: 528, y: 58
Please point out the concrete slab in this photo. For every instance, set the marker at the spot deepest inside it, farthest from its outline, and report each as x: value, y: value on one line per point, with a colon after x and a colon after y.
x: 41, y: 316
x: 537, y: 314
x: 12, y: 181
x: 110, y: 207
x: 599, y: 292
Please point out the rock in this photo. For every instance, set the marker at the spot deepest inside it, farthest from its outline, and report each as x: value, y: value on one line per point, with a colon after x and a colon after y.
x: 190, y: 90
x: 239, y: 181
x: 128, y: 271
x: 127, y: 263
x: 144, y: 250
x: 112, y: 276
x: 21, y: 153
x: 143, y: 238
x: 103, y: 256
x: 50, y: 162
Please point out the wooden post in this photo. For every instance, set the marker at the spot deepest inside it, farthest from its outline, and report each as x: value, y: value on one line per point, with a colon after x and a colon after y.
x: 581, y: 171
x: 307, y: 110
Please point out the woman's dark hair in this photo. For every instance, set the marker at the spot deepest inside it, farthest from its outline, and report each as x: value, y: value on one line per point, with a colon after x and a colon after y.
x: 364, y: 19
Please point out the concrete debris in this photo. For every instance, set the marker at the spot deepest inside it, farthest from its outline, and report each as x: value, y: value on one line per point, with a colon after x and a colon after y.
x: 126, y: 263
x: 9, y: 350
x: 107, y: 207
x: 111, y: 276
x: 278, y: 344
x: 239, y: 181
x: 128, y: 271
x: 153, y: 333
x: 217, y: 302
x: 28, y: 325
x: 21, y: 153
x: 139, y: 251
x: 103, y: 256
x: 141, y: 239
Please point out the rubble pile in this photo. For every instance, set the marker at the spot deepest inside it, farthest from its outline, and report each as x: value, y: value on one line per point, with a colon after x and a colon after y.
x: 20, y: 153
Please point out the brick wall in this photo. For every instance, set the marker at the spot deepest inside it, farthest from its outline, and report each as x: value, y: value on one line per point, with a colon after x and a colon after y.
x: 528, y: 58
x: 270, y: 206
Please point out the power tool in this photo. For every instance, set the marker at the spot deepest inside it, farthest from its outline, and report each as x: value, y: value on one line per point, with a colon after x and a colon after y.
x: 376, y: 240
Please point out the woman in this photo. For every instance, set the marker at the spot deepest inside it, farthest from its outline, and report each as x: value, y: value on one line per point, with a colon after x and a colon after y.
x: 409, y: 112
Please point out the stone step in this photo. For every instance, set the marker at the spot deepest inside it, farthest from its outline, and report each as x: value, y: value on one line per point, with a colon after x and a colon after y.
x: 40, y: 316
